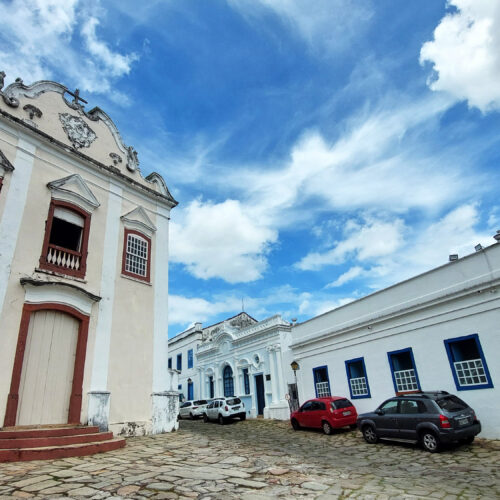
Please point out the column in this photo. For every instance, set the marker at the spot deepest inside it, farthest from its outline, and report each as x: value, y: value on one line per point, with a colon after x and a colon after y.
x: 98, y: 407
x: 201, y: 377
x: 237, y: 381
x: 162, y: 418
x: 272, y: 367
x: 279, y: 369
x: 10, y: 223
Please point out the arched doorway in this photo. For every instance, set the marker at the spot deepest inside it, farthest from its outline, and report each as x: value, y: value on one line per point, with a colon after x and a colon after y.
x: 228, y: 381
x: 46, y: 384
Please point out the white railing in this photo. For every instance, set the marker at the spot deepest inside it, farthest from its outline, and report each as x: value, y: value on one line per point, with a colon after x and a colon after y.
x: 62, y: 257
x: 323, y: 389
x: 470, y: 372
x: 359, y: 386
x: 406, y: 380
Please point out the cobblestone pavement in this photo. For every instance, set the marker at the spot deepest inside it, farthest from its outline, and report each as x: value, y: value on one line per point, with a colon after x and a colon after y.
x: 257, y: 460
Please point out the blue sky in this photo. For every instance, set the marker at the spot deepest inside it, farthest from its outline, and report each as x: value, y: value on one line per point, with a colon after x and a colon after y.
x: 320, y: 150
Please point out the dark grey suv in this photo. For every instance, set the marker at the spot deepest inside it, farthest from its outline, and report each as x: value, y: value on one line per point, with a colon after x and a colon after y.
x: 431, y: 418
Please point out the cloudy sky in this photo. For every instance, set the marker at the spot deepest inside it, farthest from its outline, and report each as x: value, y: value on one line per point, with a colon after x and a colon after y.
x: 320, y: 149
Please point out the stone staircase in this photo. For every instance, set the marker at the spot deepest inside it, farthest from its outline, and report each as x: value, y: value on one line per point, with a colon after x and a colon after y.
x: 23, y: 443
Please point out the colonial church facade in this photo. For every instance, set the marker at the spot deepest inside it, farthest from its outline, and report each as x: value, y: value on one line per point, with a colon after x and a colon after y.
x: 239, y: 356
x: 83, y: 269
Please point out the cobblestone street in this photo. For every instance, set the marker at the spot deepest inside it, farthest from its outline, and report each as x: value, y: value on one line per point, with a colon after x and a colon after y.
x: 259, y: 459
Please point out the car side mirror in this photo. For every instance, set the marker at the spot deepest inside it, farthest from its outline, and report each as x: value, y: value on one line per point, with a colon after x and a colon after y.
x: 378, y: 411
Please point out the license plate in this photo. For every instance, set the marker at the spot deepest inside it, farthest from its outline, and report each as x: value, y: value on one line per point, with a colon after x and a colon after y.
x: 236, y: 407
x: 463, y: 421
x: 346, y: 413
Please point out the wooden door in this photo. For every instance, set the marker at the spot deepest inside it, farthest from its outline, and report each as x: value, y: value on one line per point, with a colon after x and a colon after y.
x: 48, y: 368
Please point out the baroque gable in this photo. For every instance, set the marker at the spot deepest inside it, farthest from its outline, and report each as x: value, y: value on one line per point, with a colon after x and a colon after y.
x: 59, y: 114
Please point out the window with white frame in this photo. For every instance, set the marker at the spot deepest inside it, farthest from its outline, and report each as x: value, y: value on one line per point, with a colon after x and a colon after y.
x: 321, y: 381
x: 136, y: 255
x: 358, y: 380
x: 403, y: 370
x: 190, y: 358
x: 468, y: 363
x: 246, y: 381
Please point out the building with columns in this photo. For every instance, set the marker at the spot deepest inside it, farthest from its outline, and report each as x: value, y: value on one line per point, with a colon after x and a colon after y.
x: 83, y: 269
x: 236, y: 357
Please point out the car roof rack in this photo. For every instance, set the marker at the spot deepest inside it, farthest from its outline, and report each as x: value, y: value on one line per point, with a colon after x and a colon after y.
x: 425, y: 394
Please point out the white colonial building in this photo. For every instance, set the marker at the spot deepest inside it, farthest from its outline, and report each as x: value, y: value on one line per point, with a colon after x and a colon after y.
x: 83, y: 269
x: 236, y: 357
x: 437, y: 331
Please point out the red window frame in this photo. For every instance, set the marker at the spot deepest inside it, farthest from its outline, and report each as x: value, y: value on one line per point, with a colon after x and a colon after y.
x: 124, y: 257
x: 44, y: 264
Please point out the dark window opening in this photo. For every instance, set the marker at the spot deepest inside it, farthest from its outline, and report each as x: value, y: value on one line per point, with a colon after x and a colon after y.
x: 65, y: 235
x: 246, y: 380
x: 228, y: 382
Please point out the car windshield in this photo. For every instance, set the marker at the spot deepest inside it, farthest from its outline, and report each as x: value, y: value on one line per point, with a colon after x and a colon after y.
x: 200, y: 402
x: 451, y: 403
x: 233, y: 401
x: 341, y: 403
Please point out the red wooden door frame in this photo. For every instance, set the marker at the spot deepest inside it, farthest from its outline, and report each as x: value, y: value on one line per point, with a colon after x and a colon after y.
x: 75, y: 404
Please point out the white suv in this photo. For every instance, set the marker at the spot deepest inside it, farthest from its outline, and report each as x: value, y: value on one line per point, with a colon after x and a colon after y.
x: 223, y: 409
x: 192, y: 409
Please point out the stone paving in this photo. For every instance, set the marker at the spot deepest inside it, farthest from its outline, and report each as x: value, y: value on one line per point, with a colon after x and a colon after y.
x: 258, y: 460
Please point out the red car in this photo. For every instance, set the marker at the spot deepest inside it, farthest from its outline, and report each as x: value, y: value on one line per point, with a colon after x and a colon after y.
x: 326, y: 413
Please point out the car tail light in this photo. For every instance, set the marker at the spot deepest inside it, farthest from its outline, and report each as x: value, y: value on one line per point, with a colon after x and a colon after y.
x: 243, y: 405
x: 226, y: 408
x: 195, y: 407
x: 444, y: 422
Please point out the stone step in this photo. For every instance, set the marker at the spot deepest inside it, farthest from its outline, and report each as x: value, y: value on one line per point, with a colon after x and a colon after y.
x: 43, y: 441
x: 22, y: 432
x: 63, y: 451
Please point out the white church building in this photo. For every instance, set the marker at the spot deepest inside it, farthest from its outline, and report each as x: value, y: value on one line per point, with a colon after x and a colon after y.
x: 83, y: 270
x: 239, y: 356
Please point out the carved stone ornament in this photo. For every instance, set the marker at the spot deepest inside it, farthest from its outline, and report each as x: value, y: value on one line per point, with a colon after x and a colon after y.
x: 32, y: 111
x: 2, y: 79
x: 116, y: 158
x: 78, y: 132
x: 132, y: 159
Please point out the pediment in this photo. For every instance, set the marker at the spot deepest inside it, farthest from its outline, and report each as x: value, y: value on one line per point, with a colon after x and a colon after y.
x: 5, y: 164
x: 74, y: 189
x: 138, y: 219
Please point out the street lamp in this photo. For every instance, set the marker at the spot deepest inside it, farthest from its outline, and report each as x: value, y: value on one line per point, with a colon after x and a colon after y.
x: 295, y: 366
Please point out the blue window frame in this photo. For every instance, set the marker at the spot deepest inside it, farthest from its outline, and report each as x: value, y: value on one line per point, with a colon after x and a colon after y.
x: 228, y: 381
x: 467, y: 362
x: 404, y: 371
x: 321, y: 381
x: 190, y: 391
x: 246, y: 381
x: 170, y: 362
x: 190, y: 358
x: 357, y: 378
x: 179, y: 362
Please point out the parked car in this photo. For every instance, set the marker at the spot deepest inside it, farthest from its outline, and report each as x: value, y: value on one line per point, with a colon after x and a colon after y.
x: 431, y: 418
x: 192, y: 409
x: 326, y: 413
x: 224, y: 409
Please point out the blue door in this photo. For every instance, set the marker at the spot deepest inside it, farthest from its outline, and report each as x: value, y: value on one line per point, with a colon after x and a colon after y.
x: 259, y: 389
x: 190, y: 391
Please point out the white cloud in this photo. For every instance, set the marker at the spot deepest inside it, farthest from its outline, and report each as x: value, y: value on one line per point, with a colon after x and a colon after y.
x: 40, y: 40
x: 221, y: 240
x: 368, y: 241
x: 326, y: 24
x: 349, y: 275
x: 465, y: 53
x: 188, y: 310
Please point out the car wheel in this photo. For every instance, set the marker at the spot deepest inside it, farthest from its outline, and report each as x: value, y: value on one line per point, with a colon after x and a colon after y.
x: 243, y: 417
x: 295, y: 425
x: 353, y: 427
x: 327, y: 428
x: 369, y: 434
x: 222, y: 421
x: 430, y: 442
x: 205, y: 418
